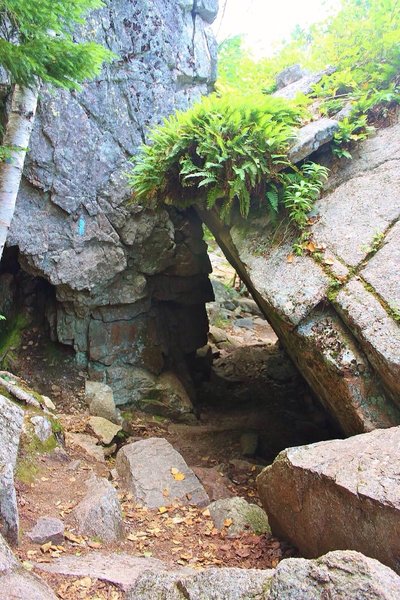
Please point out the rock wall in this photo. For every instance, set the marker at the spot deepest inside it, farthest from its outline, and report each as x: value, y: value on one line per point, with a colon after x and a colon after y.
x: 336, y: 311
x: 130, y: 284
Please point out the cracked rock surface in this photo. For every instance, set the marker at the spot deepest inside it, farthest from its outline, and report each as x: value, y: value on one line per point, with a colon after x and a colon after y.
x: 336, y: 309
x: 111, y: 262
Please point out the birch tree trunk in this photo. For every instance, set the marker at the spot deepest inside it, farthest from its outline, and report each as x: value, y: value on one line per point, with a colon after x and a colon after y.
x: 17, y: 136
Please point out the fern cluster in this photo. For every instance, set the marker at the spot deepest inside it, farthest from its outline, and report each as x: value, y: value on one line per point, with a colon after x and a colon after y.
x: 225, y: 151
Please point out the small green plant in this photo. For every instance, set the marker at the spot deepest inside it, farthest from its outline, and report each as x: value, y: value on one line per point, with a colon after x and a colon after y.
x: 375, y: 244
x: 395, y: 312
x: 350, y: 130
x: 301, y: 189
x: 2, y: 318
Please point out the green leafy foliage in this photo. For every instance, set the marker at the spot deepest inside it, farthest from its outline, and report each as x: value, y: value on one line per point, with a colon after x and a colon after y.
x: 36, y: 42
x: 362, y: 42
x: 350, y: 130
x: 231, y: 148
x: 228, y: 151
x: 225, y: 149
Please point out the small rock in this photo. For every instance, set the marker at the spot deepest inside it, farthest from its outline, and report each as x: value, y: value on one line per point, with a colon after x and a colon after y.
x: 240, y: 515
x: 42, y: 427
x: 249, y: 443
x: 249, y: 306
x: 74, y: 465
x: 157, y: 475
x: 289, y: 75
x: 217, y: 335
x: 100, y: 399
x: 311, y: 137
x: 244, y: 323
x: 99, y: 513
x: 104, y: 429
x: 110, y: 450
x: 47, y: 529
x: 48, y: 403
x: 215, y: 483
x: 85, y: 442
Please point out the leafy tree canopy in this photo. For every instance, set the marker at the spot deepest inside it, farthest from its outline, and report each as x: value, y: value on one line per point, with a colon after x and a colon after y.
x: 36, y: 42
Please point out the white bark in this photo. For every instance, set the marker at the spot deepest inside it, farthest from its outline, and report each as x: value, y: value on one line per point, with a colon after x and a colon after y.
x: 17, y: 134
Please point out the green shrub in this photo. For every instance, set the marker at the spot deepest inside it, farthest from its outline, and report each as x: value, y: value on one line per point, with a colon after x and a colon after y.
x: 225, y: 150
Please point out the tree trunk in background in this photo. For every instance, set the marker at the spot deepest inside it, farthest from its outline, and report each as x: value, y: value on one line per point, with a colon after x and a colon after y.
x: 17, y: 136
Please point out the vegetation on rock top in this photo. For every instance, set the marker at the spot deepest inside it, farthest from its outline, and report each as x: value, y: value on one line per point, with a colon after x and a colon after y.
x: 231, y: 148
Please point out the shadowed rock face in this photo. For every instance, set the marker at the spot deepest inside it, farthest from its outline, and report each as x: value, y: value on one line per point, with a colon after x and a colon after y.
x: 119, y: 271
x: 346, y: 344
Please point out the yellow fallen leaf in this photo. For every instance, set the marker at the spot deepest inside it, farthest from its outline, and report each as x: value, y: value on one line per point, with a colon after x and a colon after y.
x: 46, y: 547
x: 311, y: 247
x: 85, y: 582
x: 206, y: 513
x: 228, y: 522
x: 162, y: 509
x: 179, y: 476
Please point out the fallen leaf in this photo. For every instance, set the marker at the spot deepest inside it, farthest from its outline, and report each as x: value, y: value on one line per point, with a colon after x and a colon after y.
x: 290, y: 258
x: 228, y: 522
x: 311, y: 247
x: 162, y: 510
x: 85, y: 582
x: 46, y: 547
x: 177, y: 475
x: 206, y: 513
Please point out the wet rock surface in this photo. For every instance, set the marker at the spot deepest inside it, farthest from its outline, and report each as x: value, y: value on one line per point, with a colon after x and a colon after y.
x: 335, y: 494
